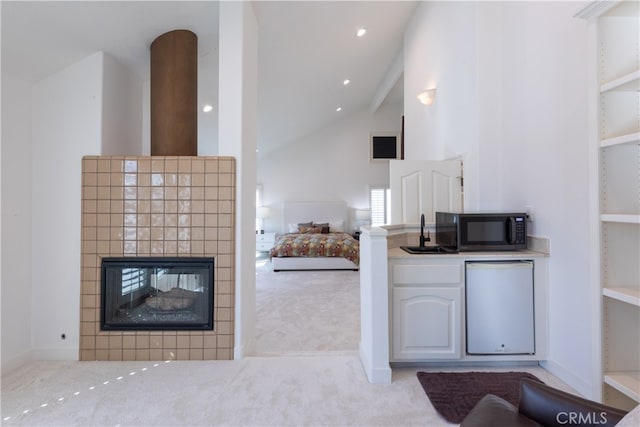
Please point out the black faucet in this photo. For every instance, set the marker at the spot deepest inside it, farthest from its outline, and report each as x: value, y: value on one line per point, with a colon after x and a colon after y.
x: 422, y: 238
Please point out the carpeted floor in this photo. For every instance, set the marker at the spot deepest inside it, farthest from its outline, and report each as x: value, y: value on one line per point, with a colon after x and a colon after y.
x: 303, y: 376
x: 310, y: 390
x: 301, y: 311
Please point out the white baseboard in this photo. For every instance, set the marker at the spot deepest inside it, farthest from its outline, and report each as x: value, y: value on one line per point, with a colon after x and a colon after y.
x: 13, y: 363
x: 55, y: 354
x: 375, y: 375
x: 238, y: 352
x: 244, y: 349
x: 578, y: 384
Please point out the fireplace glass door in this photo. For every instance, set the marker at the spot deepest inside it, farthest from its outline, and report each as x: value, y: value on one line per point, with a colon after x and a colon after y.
x: 157, y: 294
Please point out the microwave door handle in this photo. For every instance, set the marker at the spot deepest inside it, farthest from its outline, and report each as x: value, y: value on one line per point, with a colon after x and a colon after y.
x: 511, y: 230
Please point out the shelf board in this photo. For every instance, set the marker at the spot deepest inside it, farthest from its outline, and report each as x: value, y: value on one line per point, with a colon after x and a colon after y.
x: 608, y: 9
x: 595, y: 8
x: 621, y: 218
x: 628, y: 295
x: 626, y: 382
x: 631, y: 138
x: 628, y: 82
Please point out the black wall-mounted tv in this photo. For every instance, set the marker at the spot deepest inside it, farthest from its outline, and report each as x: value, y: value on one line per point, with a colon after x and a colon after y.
x: 384, y: 146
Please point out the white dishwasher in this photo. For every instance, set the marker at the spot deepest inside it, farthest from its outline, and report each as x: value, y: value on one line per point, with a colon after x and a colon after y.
x: 499, y: 307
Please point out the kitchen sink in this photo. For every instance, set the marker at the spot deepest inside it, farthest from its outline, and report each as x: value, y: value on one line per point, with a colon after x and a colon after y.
x: 427, y: 250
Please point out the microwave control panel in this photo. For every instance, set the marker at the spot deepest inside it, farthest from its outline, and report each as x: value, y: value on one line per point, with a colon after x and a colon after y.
x: 521, y: 232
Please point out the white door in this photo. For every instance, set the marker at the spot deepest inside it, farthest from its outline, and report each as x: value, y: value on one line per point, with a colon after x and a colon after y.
x: 424, y: 187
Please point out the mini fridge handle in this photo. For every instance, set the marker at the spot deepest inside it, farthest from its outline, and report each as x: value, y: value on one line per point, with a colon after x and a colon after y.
x: 499, y: 265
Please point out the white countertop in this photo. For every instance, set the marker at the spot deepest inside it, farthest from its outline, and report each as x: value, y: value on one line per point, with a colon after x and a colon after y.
x: 399, y: 253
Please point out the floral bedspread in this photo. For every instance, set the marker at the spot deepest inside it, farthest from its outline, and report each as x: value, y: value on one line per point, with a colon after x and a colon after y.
x: 317, y: 245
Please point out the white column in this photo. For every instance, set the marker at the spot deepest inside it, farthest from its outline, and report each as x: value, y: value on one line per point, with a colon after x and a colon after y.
x: 237, y: 101
x: 374, y: 305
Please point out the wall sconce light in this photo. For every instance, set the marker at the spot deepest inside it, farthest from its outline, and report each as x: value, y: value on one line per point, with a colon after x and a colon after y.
x: 427, y: 96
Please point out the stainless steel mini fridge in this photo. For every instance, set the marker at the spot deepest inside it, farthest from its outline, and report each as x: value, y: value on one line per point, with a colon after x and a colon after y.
x: 499, y: 307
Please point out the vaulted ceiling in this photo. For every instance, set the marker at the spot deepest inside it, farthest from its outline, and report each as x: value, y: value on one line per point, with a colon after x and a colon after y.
x: 306, y: 50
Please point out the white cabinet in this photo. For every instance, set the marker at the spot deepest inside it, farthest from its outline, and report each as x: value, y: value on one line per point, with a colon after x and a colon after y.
x: 265, y: 241
x: 426, y: 323
x: 427, y: 301
x: 615, y: 143
x: 426, y: 309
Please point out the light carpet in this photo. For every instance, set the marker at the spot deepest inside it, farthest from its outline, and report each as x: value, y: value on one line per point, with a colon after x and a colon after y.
x: 305, y: 376
x: 298, y: 311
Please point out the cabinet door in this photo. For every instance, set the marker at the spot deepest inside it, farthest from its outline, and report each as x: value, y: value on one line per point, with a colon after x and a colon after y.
x: 424, y: 187
x: 426, y: 323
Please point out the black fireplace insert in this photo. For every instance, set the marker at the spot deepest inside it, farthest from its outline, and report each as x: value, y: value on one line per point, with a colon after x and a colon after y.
x: 156, y: 293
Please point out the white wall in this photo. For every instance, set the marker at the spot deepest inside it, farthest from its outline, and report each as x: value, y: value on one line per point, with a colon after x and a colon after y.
x: 440, y: 52
x: 67, y: 113
x: 16, y: 222
x: 331, y: 164
x: 208, y: 94
x: 91, y: 107
x: 121, y: 110
x: 526, y: 141
x: 547, y: 126
x: 238, y: 94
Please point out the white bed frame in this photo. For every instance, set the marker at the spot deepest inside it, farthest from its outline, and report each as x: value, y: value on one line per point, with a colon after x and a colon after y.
x: 297, y: 212
x: 312, y: 263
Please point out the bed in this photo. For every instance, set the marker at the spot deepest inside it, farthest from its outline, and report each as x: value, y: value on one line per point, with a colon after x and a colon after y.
x: 315, y: 237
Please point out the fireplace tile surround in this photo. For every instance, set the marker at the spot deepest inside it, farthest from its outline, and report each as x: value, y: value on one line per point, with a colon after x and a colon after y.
x: 149, y: 207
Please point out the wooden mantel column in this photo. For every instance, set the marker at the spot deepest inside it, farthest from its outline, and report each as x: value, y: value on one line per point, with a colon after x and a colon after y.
x: 174, y: 94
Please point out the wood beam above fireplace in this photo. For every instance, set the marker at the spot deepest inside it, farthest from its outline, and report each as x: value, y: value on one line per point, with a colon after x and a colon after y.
x: 174, y: 94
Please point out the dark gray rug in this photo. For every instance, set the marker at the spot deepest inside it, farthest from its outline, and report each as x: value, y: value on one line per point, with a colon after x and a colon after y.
x: 454, y: 394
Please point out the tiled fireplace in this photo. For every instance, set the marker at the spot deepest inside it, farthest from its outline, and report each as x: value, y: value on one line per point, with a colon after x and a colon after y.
x: 158, y: 208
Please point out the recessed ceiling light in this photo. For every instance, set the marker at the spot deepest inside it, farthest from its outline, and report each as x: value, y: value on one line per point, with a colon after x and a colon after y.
x: 339, y: 109
x: 361, y: 32
x: 207, y: 108
x: 346, y: 82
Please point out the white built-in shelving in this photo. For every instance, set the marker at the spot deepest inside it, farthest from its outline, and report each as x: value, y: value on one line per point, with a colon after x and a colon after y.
x: 629, y: 82
x: 631, y: 138
x: 614, y: 28
x: 629, y: 296
x: 624, y: 382
x: 621, y: 218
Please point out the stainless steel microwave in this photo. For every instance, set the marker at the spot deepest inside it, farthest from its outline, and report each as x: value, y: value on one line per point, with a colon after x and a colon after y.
x: 481, y: 231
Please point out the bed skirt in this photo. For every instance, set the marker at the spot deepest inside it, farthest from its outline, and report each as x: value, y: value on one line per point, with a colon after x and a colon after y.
x: 312, y: 263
